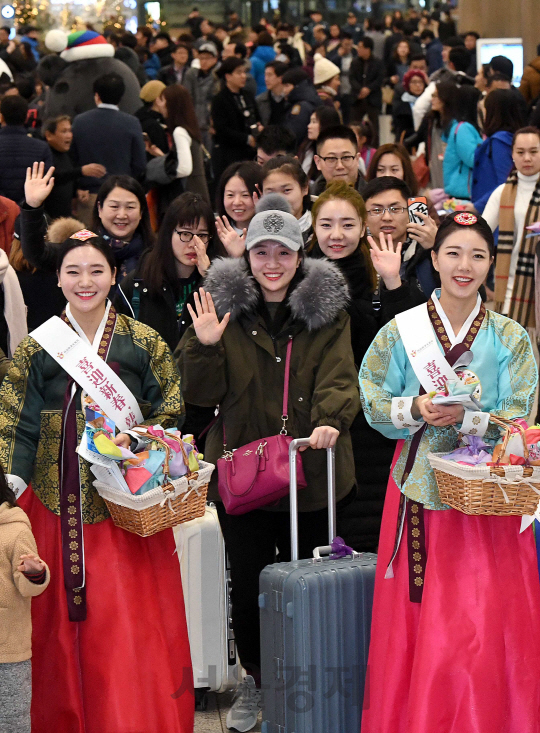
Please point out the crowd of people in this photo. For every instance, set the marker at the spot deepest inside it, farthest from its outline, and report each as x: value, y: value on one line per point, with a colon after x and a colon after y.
x: 236, y: 217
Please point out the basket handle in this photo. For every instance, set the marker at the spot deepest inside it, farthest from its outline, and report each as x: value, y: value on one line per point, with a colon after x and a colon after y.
x: 509, y: 427
x: 167, y: 454
x: 182, y: 447
x: 143, y: 432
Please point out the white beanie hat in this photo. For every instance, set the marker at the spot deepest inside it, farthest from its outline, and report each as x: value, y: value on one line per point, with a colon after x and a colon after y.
x: 323, y: 69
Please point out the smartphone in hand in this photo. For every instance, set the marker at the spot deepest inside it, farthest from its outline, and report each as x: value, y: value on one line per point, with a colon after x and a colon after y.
x: 415, y: 206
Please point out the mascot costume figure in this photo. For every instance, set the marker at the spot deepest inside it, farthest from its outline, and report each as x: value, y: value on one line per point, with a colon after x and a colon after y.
x: 84, y: 57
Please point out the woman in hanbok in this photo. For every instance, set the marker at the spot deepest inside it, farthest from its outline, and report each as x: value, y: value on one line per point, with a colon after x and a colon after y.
x: 110, y: 645
x: 454, y: 641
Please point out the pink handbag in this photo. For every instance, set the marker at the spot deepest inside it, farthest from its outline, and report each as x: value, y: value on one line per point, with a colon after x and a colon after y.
x: 257, y: 474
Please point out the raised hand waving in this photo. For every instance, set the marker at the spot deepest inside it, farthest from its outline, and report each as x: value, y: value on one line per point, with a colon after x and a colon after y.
x: 208, y: 328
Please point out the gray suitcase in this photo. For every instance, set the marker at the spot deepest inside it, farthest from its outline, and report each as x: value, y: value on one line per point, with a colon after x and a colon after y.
x: 315, y: 627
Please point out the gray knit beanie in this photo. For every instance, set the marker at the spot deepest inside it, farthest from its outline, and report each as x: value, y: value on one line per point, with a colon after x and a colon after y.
x: 274, y: 222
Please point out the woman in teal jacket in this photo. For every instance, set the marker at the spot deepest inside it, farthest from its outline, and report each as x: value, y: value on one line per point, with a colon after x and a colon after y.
x: 462, y: 138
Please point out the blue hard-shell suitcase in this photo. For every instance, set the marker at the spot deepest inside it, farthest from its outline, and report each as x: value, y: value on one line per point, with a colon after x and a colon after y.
x: 315, y: 627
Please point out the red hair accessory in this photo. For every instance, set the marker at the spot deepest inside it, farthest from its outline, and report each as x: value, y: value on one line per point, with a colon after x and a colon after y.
x: 465, y: 218
x: 83, y: 235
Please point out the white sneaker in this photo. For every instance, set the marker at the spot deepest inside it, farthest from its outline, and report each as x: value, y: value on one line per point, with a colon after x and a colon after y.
x: 245, y: 709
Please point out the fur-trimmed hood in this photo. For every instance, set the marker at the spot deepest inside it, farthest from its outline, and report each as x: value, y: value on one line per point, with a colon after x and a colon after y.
x: 316, y: 300
x: 60, y: 229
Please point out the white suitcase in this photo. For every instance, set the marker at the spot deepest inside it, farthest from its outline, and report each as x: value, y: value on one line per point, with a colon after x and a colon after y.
x: 205, y: 580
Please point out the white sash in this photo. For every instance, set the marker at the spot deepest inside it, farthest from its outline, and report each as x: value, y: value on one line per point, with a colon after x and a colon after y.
x: 420, y: 343
x: 90, y: 371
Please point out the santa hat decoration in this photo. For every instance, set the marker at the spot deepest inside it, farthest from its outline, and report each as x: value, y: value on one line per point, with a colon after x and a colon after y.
x: 79, y: 45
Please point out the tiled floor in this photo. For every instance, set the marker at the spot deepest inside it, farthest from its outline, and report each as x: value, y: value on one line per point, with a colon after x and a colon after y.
x: 212, y: 720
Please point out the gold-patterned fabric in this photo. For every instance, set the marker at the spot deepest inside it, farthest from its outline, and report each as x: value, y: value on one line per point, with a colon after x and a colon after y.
x: 45, y: 478
x: 440, y: 330
x: 31, y: 401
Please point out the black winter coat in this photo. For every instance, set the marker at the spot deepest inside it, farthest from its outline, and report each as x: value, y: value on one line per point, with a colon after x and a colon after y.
x: 41, y: 293
x: 303, y: 100
x: 168, y: 75
x: 359, y: 522
x: 370, y: 74
x: 402, y: 119
x: 153, y: 124
x: 66, y: 174
x: 17, y: 153
x: 232, y: 128
x: 155, y: 310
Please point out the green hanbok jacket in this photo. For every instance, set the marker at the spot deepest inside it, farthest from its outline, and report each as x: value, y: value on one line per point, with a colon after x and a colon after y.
x: 32, y: 398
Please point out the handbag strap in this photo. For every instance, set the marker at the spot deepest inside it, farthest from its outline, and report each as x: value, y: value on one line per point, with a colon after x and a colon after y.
x: 285, y: 411
x: 284, y: 414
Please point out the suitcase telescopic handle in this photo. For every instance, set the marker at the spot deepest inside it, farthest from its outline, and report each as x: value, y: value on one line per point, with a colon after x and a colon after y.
x: 331, y: 470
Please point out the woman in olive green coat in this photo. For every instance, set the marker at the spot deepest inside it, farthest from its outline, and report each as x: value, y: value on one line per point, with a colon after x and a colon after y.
x: 234, y: 356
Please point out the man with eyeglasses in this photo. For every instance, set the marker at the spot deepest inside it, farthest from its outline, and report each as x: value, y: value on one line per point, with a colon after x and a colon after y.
x: 407, y: 277
x: 337, y: 159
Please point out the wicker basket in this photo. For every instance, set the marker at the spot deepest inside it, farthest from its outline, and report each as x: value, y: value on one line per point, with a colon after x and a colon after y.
x: 176, y: 501
x: 494, y: 490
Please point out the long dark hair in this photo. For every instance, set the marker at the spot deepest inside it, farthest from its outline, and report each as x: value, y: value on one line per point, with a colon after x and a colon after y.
x: 248, y: 171
x: 503, y: 113
x: 180, y: 110
x: 159, y: 265
x: 401, y: 152
x: 395, y: 58
x: 447, y: 92
x: 465, y: 107
x: 128, y: 184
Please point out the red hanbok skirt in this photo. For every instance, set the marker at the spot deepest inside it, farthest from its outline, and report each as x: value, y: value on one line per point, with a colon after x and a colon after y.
x: 466, y: 659
x: 127, y: 668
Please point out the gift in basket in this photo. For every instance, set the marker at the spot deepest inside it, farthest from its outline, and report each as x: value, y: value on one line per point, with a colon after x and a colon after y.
x: 165, y: 484
x: 499, y: 486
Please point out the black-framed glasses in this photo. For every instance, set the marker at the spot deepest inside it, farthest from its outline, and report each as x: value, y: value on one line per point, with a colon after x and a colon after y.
x: 332, y: 160
x: 186, y: 236
x: 392, y: 210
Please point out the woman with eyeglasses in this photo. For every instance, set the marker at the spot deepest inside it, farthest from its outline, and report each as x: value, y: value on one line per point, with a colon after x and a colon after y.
x: 156, y: 293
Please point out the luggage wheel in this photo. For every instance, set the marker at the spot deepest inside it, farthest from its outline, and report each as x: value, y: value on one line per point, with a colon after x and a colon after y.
x: 201, y: 698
